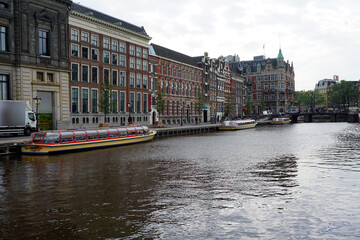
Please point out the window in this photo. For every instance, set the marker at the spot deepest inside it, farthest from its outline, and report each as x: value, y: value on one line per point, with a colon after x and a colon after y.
x: 84, y: 37
x: 94, y: 75
x: 85, y: 73
x: 74, y: 35
x: 122, y: 47
x: 106, y: 43
x: 132, y: 50
x: 145, y: 66
x: 122, y: 79
x: 138, y: 102
x: 4, y: 5
x: 94, y: 54
x: 138, y: 64
x: 85, y: 100
x: 122, y: 61
x: 272, y: 77
x: 85, y: 52
x: 94, y: 40
x: 258, y: 87
x: 114, y: 45
x: 258, y: 68
x: 167, y: 107
x: 114, y: 59
x: 106, y: 57
x: 132, y: 63
x: 152, y: 84
x: 132, y: 101
x: 106, y: 76
x: 114, y: 102
x: 266, y: 87
x: 272, y: 85
x: 282, y: 85
x: 50, y: 77
x: 40, y: 76
x: 281, y: 76
x: 145, y: 53
x: 74, y: 100
x: 177, y: 108
x: 122, y: 102
x: 266, y: 78
x: 266, y: 97
x: 74, y: 72
x: 173, y: 108
x: 4, y: 87
x: 3, y: 38
x: 74, y: 50
x: 145, y: 81
x: 145, y: 98
x: 115, y: 77
x: 94, y: 96
x: 138, y: 52
x: 138, y: 81
x: 258, y: 78
x: 258, y: 96
x: 44, y: 43
x: 132, y: 80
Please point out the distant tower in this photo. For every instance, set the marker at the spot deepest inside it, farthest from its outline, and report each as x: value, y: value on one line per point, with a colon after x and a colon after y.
x: 280, y: 59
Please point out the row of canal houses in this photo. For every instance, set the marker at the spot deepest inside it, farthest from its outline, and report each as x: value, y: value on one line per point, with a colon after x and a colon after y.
x: 90, y: 68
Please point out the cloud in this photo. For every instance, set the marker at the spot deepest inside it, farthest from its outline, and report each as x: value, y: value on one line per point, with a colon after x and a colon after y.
x: 319, y: 36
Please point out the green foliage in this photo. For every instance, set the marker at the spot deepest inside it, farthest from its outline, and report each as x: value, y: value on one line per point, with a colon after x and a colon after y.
x: 106, y: 104
x: 310, y: 99
x: 344, y: 94
x: 200, y: 103
x: 228, y: 105
x: 159, y: 102
x: 248, y: 105
x: 263, y: 105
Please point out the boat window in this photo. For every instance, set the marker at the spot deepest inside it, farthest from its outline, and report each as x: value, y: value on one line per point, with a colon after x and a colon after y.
x: 92, y: 137
x: 122, y: 133
x: 67, y: 139
x: 52, y: 138
x: 113, y: 133
x: 38, y: 138
x: 139, y: 130
x: 103, y: 136
x: 146, y: 129
x: 80, y: 138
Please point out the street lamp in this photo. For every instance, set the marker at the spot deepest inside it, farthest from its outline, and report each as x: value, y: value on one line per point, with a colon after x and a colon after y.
x: 37, y: 104
x: 130, y: 104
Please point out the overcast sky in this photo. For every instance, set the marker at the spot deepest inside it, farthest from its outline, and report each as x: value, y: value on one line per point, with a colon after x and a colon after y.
x: 321, y: 37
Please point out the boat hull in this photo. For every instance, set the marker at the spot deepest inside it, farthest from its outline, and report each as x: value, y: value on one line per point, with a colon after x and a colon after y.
x: 233, y: 128
x: 43, y: 149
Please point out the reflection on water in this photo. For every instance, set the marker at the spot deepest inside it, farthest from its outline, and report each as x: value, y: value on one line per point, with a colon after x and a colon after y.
x: 276, y: 182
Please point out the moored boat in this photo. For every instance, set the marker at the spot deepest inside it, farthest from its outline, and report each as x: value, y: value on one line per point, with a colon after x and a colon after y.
x: 61, y: 141
x: 280, y: 121
x: 237, y: 124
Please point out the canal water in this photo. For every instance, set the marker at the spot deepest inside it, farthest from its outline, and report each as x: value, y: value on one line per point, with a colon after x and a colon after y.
x: 299, y: 181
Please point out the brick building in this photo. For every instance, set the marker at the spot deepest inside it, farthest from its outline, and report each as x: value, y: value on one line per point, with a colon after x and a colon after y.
x: 109, y: 80
x: 180, y: 79
x: 270, y: 82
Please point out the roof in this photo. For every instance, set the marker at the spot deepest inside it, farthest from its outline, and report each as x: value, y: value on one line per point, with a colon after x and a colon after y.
x: 104, y: 17
x: 170, y: 54
x: 280, y: 55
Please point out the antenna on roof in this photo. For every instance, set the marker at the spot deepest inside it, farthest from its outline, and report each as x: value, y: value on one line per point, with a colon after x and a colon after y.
x: 279, y: 41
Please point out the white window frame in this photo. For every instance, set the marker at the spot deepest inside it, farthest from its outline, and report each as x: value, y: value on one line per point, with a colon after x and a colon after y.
x: 78, y: 105
x: 88, y: 74
x: 74, y: 37
x: 95, y: 40
x: 97, y: 75
x: 82, y: 52
x: 117, y: 77
x: 78, y: 72
x: 97, y: 100
x: 82, y: 36
x: 124, y: 74
x: 114, y: 45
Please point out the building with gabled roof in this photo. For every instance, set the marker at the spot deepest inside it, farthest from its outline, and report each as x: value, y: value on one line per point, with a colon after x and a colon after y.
x: 270, y: 82
x: 109, y: 81
x: 180, y: 80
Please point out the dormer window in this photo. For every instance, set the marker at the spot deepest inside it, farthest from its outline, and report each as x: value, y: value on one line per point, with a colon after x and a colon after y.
x: 258, y: 68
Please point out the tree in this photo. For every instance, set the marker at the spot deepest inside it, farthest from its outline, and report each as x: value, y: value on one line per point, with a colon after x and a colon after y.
x: 106, y: 104
x: 344, y: 94
x: 200, y: 103
x: 228, y: 105
x: 159, y: 102
x: 248, y: 105
x: 263, y: 105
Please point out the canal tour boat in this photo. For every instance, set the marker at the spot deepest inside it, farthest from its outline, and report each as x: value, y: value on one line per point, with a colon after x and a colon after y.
x: 280, y: 121
x: 237, y: 124
x: 60, y: 141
